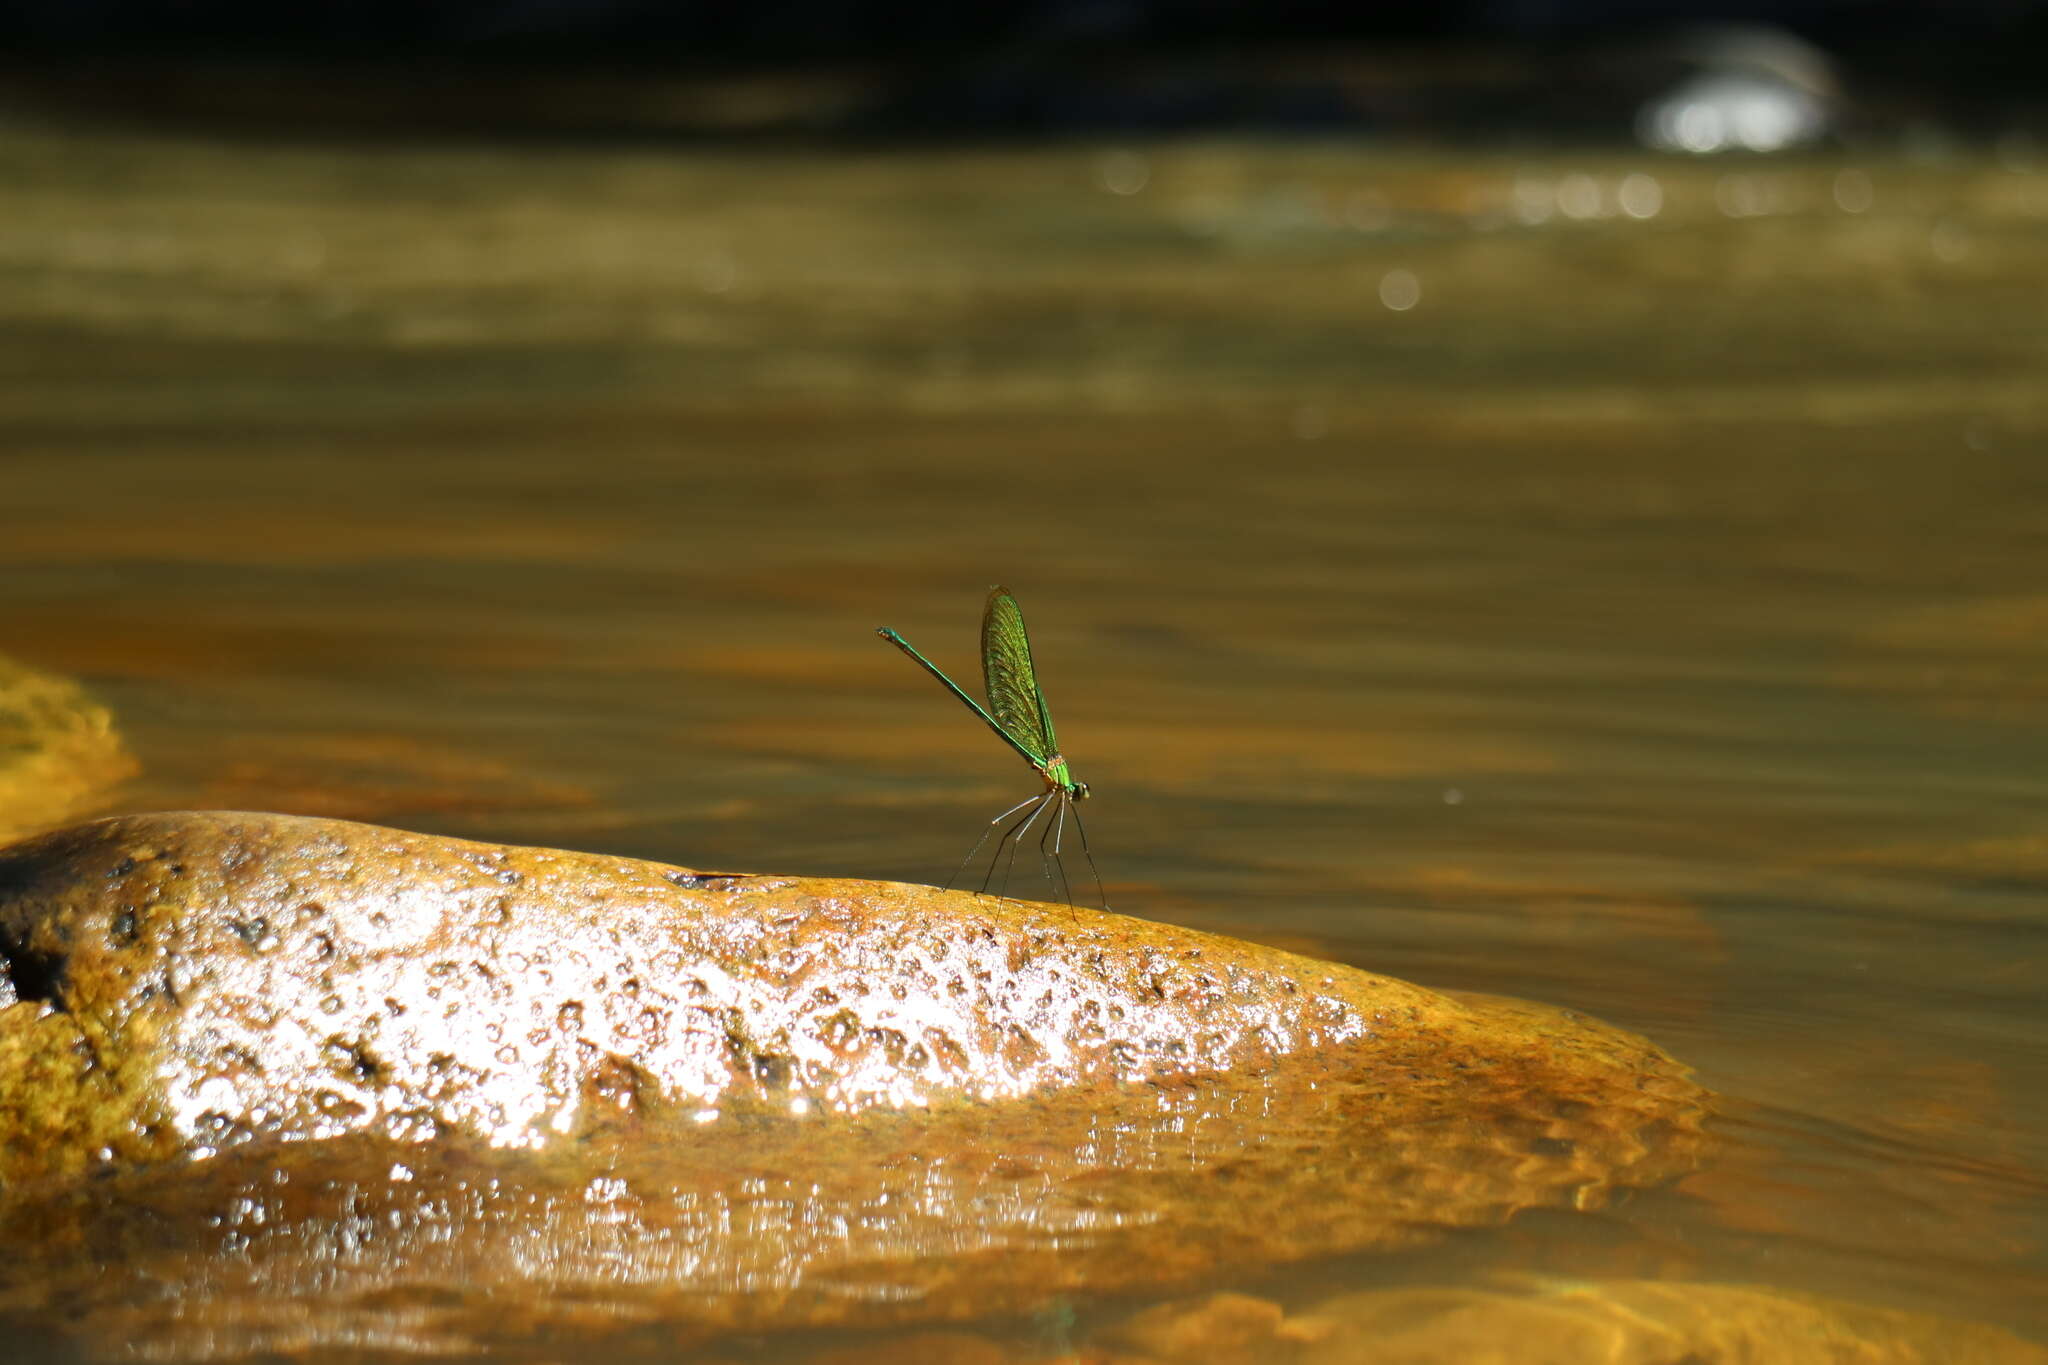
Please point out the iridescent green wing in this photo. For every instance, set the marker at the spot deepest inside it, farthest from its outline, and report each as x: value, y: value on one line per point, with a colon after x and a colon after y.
x: 1011, y: 681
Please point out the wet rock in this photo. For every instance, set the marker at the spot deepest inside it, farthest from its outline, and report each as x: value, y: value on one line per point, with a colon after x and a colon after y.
x: 59, y: 750
x: 574, y: 1093
x: 262, y: 976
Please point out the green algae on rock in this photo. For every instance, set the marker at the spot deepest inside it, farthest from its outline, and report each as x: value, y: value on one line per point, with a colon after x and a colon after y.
x: 606, y: 1092
x: 58, y: 750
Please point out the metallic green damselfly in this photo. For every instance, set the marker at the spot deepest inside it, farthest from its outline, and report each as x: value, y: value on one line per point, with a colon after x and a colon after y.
x: 1016, y: 711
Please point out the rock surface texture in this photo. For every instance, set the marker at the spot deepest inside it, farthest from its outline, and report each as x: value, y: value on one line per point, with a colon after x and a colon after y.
x: 590, y: 1092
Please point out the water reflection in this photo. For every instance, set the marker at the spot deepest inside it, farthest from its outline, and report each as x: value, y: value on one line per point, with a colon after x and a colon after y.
x: 764, y: 1221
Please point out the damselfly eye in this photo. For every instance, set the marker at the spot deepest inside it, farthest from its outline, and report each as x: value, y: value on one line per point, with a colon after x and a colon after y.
x: 1080, y: 791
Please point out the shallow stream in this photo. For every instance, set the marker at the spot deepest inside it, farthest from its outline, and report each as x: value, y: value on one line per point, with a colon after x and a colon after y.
x: 1613, y: 581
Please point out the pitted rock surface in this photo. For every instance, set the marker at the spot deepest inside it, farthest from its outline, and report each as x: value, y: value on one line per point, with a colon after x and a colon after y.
x: 299, y: 978
x: 573, y: 1094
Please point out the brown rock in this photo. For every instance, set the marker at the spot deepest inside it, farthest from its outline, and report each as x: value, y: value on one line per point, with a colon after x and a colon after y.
x: 587, y: 1093
x: 247, y: 976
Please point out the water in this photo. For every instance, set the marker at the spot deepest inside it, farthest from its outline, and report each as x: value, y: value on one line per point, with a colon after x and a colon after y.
x: 1591, y: 577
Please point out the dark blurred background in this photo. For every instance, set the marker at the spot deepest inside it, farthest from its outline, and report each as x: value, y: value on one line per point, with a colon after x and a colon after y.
x: 1524, y: 70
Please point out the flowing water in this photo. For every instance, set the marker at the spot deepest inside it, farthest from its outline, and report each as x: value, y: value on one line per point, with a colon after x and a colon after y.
x: 1615, y: 581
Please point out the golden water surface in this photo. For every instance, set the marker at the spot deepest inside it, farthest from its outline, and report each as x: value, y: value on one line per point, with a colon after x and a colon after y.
x: 1614, y: 581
